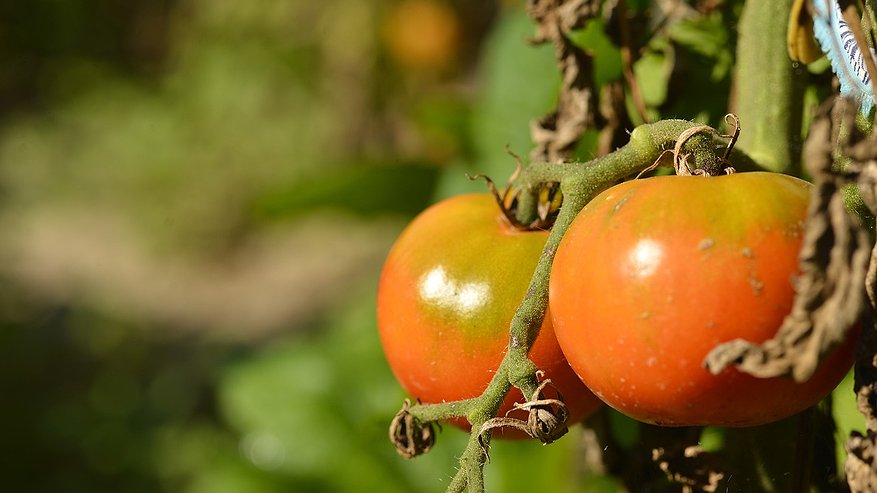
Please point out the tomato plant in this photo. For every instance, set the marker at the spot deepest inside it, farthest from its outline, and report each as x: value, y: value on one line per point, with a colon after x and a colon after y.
x: 654, y: 273
x: 447, y: 294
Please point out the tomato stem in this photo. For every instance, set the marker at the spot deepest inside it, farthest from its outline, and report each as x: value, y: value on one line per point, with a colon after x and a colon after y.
x: 768, y: 89
x: 444, y: 410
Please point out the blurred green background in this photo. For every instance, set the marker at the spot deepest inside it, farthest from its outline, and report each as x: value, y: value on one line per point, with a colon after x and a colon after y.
x: 195, y: 200
x: 196, y: 197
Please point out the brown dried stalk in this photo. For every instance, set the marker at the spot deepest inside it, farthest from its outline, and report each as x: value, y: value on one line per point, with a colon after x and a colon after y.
x: 556, y: 134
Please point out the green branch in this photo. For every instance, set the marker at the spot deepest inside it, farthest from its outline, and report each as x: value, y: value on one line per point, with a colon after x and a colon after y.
x: 768, y: 88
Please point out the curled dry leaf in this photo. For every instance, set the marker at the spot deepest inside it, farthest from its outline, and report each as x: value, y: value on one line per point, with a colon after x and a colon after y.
x: 830, y: 294
x: 861, y: 466
x: 861, y: 463
x: 410, y: 436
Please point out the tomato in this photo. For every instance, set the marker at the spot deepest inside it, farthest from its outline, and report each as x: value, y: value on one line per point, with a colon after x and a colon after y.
x: 447, y: 294
x: 654, y: 273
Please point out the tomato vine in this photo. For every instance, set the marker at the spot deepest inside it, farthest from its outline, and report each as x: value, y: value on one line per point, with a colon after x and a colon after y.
x: 579, y: 183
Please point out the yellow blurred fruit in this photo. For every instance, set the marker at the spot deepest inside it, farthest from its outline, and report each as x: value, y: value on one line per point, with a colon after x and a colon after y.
x: 422, y: 35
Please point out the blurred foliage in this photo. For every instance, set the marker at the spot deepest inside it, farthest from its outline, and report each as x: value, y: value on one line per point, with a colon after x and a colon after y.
x: 195, y: 199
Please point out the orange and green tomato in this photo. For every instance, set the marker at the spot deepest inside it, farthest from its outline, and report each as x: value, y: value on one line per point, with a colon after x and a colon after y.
x: 654, y: 273
x: 447, y: 294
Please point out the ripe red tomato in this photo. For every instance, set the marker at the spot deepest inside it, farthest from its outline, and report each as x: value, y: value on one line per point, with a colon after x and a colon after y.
x: 654, y: 273
x: 447, y: 294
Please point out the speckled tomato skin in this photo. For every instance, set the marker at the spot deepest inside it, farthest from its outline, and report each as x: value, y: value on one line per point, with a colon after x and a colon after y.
x: 448, y: 291
x: 654, y: 273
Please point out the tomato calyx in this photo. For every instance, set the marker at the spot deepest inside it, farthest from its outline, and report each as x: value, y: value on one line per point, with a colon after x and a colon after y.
x: 546, y: 419
x: 409, y: 435
x: 680, y: 159
x: 547, y: 205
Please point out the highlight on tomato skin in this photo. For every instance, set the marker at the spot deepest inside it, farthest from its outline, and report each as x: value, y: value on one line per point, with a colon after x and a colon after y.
x: 654, y: 273
x: 447, y: 293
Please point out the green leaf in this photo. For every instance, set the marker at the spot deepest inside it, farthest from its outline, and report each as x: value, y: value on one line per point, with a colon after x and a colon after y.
x: 652, y: 73
x: 846, y: 415
x: 707, y: 36
x: 607, y: 57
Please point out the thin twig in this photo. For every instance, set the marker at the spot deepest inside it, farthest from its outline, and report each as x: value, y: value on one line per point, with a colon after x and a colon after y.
x: 627, y: 61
